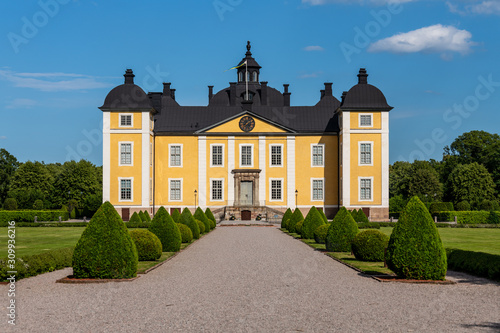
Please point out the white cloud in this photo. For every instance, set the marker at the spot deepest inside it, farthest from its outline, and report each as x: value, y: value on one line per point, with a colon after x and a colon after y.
x: 21, y: 103
x: 53, y: 81
x: 433, y: 39
x: 3, y: 137
x: 488, y: 7
x: 375, y: 2
x: 313, y: 48
x: 310, y: 75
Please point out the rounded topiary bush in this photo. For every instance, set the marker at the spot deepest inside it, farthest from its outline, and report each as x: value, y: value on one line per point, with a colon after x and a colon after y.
x: 201, y: 225
x: 341, y: 232
x: 415, y: 250
x: 105, y: 249
x: 286, y: 216
x: 188, y: 219
x: 296, y: 217
x: 135, y: 219
x: 320, y: 233
x: 186, y: 233
x: 10, y: 204
x: 176, y: 216
x: 167, y: 231
x: 369, y: 245
x: 211, y: 218
x: 200, y: 215
x: 38, y: 204
x: 463, y: 206
x: 298, y: 227
x: 312, y: 221
x: 148, y: 244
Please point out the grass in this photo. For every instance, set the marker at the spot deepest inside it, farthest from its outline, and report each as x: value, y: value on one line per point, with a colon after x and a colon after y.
x: 372, y: 268
x: 145, y: 265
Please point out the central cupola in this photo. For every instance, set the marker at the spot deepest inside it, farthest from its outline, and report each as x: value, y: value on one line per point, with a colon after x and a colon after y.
x: 251, y: 70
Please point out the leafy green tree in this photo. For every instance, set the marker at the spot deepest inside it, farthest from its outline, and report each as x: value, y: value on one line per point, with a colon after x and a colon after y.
x: 471, y: 182
x: 425, y: 182
x: 8, y: 166
x: 397, y: 203
x: 399, y: 178
x: 31, y: 181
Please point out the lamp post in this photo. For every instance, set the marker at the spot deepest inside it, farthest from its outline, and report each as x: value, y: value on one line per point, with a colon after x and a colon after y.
x: 296, y: 196
x: 195, y: 198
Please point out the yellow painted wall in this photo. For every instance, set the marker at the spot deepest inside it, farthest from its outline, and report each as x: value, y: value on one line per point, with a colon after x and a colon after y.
x: 188, y: 172
x: 126, y: 171
x: 374, y: 171
x: 217, y: 171
x: 276, y: 172
x: 304, y: 171
x: 234, y: 127
x: 115, y: 120
x: 376, y: 120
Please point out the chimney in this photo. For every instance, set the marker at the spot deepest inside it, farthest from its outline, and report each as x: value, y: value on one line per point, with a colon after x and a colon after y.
x: 322, y: 91
x: 172, y: 93
x: 232, y: 93
x: 263, y: 93
x: 328, y: 89
x: 343, y: 96
x: 286, y: 96
x: 362, y: 76
x: 210, y: 92
x: 166, y: 89
x: 129, y: 76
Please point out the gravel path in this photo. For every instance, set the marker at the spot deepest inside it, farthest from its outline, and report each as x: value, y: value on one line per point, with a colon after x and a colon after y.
x: 253, y: 279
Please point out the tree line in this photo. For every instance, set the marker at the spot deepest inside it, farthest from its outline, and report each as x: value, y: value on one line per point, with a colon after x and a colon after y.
x: 468, y: 175
x: 36, y: 185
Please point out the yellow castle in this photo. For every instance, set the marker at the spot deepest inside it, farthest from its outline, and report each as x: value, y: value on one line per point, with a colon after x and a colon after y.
x: 248, y: 152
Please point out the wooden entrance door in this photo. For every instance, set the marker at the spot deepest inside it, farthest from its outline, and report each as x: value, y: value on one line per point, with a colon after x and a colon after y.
x: 246, y: 193
x: 246, y: 215
x: 125, y: 214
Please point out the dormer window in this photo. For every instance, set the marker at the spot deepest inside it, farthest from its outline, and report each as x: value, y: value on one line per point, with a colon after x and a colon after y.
x: 254, y: 77
x: 250, y: 96
x: 240, y: 76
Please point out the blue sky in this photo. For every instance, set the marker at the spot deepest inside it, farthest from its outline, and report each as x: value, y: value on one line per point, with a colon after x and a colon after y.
x: 435, y: 61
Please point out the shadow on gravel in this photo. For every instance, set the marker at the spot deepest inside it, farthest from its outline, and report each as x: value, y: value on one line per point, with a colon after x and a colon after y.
x: 470, y: 279
x: 494, y: 327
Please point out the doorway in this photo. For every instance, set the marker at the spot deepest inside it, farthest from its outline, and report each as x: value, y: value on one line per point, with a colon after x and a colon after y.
x: 125, y: 214
x: 246, y: 193
x: 246, y: 215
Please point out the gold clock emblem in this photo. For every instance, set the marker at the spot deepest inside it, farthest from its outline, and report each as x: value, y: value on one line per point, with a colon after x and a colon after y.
x: 247, y: 123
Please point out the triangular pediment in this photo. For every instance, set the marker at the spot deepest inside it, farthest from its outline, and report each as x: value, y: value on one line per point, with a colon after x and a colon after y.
x: 246, y: 122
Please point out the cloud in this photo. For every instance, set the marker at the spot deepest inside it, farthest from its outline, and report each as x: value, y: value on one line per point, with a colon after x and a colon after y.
x: 53, y: 81
x: 3, y: 137
x: 433, y: 39
x: 310, y: 75
x: 21, y: 103
x: 478, y: 7
x: 362, y: 2
x: 313, y: 48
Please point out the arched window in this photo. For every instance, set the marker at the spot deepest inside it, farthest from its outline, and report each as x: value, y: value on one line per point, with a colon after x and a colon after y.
x: 248, y: 76
x: 240, y: 76
x: 255, y: 78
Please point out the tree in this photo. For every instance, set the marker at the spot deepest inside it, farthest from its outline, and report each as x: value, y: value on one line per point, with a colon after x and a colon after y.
x: 8, y: 166
x: 399, y: 178
x: 31, y: 181
x: 425, y: 182
x: 472, y: 183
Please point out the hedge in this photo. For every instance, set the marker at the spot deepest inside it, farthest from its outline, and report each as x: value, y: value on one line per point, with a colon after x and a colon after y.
x: 29, y: 215
x: 441, y: 207
x: 47, y: 261
x: 476, y: 263
x: 49, y: 224
x: 465, y: 217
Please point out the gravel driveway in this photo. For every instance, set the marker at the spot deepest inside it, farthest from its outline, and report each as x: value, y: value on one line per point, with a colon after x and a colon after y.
x: 252, y: 279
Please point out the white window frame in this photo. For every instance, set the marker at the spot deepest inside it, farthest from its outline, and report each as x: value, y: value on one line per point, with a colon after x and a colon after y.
x: 120, y: 115
x: 241, y: 155
x: 323, y: 189
x: 211, y: 188
x: 359, y: 189
x: 120, y: 189
x: 365, y: 114
x: 131, y: 143
x: 169, y: 189
x: 212, y: 152
x: 312, y: 155
x: 371, y: 153
x: 271, y: 155
x: 170, y: 145
x: 271, y: 189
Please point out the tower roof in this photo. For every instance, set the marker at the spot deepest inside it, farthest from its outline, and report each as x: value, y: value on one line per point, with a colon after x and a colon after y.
x: 364, y: 96
x: 251, y: 62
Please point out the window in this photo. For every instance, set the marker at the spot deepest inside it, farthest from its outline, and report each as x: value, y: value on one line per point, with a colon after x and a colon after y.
x: 175, y: 155
x: 254, y: 78
x: 365, y: 153
x: 276, y: 155
x: 240, y: 76
x: 217, y: 188
x: 217, y: 155
x: 248, y: 76
x: 317, y: 189
x: 246, y: 155
x: 365, y: 120
x: 126, y: 189
x: 317, y: 155
x: 126, y: 153
x: 175, y: 191
x: 126, y: 120
x: 276, y: 190
x: 365, y: 189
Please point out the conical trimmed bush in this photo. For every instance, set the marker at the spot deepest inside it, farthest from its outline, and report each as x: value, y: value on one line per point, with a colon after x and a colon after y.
x: 415, y: 250
x: 312, y: 221
x: 341, y: 232
x: 286, y: 216
x: 296, y: 217
x: 105, y: 249
x: 164, y: 227
x: 188, y: 219
x: 135, y: 218
x: 176, y: 216
x: 200, y: 215
x: 211, y: 217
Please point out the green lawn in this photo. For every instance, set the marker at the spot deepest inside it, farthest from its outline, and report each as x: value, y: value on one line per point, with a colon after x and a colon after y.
x: 145, y: 265
x: 471, y: 239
